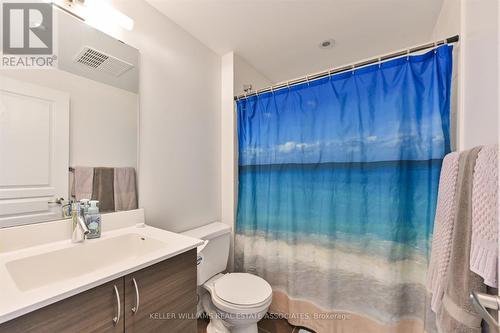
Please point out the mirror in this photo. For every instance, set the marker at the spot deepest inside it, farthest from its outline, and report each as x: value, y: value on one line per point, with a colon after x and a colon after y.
x: 70, y: 129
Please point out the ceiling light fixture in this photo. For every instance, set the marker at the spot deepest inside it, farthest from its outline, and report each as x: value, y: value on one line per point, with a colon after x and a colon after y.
x: 101, y: 14
x: 327, y: 44
x: 97, y: 13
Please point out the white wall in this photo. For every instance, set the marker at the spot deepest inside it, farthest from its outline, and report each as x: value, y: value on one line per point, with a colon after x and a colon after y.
x: 448, y: 22
x: 244, y: 73
x: 235, y: 72
x: 476, y: 69
x: 480, y: 71
x: 180, y: 124
x: 103, y: 118
x: 228, y: 143
x: 447, y: 25
x: 228, y: 140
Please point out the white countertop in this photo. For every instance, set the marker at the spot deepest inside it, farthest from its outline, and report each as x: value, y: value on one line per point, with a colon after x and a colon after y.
x: 15, y: 302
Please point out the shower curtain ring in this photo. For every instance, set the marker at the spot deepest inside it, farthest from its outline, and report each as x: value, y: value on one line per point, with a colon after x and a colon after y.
x: 379, y: 62
x: 352, y: 69
x: 408, y: 55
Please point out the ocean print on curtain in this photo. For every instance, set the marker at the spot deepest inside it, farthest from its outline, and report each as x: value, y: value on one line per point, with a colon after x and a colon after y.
x: 338, y: 183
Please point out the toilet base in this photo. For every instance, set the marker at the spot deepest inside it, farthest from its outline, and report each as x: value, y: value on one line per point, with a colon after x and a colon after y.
x: 252, y: 328
x: 217, y: 325
x: 214, y: 327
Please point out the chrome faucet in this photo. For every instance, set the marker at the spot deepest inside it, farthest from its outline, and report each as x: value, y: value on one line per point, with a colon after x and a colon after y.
x: 78, y: 227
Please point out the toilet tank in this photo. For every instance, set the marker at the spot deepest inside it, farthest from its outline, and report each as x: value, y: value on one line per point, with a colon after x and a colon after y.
x: 212, y: 258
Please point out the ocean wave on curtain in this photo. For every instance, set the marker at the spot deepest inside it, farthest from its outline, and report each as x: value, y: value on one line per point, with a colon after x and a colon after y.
x: 338, y: 182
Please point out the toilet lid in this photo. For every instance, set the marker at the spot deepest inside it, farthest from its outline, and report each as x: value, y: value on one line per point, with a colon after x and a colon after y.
x: 242, y: 289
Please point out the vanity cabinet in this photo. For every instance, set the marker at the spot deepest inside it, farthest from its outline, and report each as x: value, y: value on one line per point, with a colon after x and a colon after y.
x: 158, y: 298
x: 167, y: 297
x: 90, y: 311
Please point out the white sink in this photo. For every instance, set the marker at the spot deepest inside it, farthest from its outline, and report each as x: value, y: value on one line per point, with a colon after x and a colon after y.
x: 51, y: 267
x: 40, y: 266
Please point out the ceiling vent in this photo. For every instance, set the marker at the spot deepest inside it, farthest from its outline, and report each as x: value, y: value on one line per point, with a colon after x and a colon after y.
x: 102, y: 62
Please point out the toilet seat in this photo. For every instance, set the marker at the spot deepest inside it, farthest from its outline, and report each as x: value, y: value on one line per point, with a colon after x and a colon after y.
x: 240, y: 292
x: 242, y: 289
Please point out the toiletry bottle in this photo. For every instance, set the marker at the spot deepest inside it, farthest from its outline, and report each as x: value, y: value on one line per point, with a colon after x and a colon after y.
x: 66, y: 208
x: 93, y: 220
x: 84, y: 204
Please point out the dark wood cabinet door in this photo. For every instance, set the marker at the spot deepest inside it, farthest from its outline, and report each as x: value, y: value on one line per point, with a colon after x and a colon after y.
x: 89, y: 312
x: 167, y: 297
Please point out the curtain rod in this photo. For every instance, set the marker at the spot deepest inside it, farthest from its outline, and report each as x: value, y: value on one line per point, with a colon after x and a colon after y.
x: 337, y: 70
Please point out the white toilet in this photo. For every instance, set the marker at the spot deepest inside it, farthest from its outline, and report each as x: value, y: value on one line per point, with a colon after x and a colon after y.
x: 235, y: 302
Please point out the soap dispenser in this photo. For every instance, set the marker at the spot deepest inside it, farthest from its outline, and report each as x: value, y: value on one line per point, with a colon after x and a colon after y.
x: 93, y: 220
x: 84, y: 204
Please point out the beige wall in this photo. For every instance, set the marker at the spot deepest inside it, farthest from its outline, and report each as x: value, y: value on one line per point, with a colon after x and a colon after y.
x: 179, y: 170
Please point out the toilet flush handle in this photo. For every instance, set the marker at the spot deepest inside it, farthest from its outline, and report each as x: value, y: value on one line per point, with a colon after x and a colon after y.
x: 199, y: 257
x: 202, y: 246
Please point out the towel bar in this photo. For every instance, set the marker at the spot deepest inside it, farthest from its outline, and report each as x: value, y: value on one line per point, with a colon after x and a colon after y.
x: 481, y: 302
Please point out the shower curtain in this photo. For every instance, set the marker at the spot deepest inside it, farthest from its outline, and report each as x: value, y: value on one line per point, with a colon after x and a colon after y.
x: 338, y: 182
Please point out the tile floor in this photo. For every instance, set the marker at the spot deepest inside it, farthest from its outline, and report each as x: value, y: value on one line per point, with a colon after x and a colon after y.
x: 265, y: 326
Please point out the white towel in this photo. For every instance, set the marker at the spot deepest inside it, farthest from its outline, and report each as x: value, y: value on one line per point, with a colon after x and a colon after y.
x: 82, y: 183
x: 484, y: 244
x: 443, y: 230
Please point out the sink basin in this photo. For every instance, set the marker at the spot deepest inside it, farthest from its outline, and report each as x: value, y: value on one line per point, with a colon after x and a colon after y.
x: 66, y: 263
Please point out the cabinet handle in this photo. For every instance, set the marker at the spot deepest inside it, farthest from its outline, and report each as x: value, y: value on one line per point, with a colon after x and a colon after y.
x: 136, y: 307
x: 117, y: 318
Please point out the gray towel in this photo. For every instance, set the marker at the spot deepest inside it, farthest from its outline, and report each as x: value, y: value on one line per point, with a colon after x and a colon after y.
x: 103, y: 189
x: 457, y: 314
x: 125, y: 189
